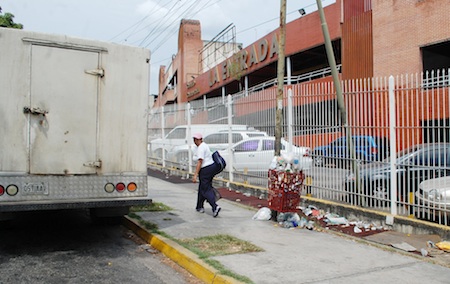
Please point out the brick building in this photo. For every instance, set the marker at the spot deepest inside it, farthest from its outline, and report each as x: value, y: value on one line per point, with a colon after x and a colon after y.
x: 369, y: 38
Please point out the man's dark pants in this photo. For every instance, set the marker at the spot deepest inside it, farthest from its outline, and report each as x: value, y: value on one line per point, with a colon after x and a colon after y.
x: 205, y: 188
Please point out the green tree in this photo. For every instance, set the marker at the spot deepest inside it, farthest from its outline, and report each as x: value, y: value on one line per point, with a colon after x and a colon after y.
x: 6, y: 21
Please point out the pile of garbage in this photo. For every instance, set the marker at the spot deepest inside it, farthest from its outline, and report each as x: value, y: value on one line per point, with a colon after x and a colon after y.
x: 292, y: 220
x: 313, y: 218
x: 285, y: 163
x: 286, y: 220
x: 339, y: 223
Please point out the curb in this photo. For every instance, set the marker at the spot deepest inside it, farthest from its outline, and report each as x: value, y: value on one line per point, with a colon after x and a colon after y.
x: 398, y: 223
x: 180, y: 255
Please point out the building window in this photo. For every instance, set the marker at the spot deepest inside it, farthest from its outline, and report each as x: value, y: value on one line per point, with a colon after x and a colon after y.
x: 436, y: 63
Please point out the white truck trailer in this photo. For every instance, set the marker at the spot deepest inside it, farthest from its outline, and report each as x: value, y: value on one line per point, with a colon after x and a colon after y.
x: 73, y: 116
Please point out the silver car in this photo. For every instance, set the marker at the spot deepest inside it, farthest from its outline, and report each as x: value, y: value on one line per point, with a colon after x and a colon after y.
x: 433, y: 198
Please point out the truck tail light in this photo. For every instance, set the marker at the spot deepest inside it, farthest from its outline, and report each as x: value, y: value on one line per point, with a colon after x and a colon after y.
x: 2, y: 190
x: 12, y: 190
x: 131, y: 187
x: 120, y: 187
x: 109, y: 187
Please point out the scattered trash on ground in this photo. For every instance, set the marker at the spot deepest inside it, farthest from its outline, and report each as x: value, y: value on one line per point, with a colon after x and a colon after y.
x: 263, y: 214
x: 331, y: 221
x: 313, y: 218
x: 432, y: 249
x: 424, y: 252
x: 444, y: 245
x: 435, y: 249
x: 289, y: 220
x: 148, y: 248
x: 404, y: 246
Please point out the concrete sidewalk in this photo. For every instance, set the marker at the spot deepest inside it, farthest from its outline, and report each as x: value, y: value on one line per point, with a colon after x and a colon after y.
x: 290, y: 255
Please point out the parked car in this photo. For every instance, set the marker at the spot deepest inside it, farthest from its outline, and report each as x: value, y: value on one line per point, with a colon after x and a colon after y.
x: 179, y: 136
x: 413, y: 165
x: 433, y: 198
x: 215, y: 141
x: 255, y: 154
x: 219, y: 140
x: 367, y: 149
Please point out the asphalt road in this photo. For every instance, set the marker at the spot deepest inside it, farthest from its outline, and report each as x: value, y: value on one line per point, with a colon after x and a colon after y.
x: 67, y: 247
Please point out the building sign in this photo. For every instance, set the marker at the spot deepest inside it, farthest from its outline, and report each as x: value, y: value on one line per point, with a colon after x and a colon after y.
x: 236, y: 66
x: 190, y: 85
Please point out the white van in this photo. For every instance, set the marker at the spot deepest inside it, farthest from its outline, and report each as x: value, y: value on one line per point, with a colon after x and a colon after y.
x: 181, y: 135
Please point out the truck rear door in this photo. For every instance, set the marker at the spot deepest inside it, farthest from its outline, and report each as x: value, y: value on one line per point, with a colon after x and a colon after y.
x: 63, y: 110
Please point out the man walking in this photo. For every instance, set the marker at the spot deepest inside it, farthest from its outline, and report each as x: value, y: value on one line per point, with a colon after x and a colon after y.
x: 204, y: 171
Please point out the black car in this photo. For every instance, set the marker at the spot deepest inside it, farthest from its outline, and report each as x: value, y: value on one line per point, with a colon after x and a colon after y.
x: 413, y: 165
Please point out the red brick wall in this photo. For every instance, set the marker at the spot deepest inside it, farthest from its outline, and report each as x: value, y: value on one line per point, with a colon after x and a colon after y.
x: 401, y: 27
x: 189, y: 44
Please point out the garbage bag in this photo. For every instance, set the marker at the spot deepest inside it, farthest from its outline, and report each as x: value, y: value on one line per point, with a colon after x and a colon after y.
x: 288, y: 219
x: 280, y: 217
x: 292, y: 217
x: 263, y: 214
x: 444, y: 245
x: 334, y: 219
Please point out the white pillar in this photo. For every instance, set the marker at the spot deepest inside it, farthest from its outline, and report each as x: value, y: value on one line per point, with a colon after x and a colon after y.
x: 246, y: 85
x: 288, y: 70
x: 230, y: 153
x: 290, y: 121
x: 223, y: 95
x: 393, y: 143
x: 163, y: 136
x: 189, y: 136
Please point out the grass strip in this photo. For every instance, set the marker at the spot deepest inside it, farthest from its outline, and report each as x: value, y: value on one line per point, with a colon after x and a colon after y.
x: 206, y: 247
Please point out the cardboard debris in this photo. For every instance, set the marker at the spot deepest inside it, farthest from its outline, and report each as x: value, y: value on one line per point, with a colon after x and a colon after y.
x: 393, y: 237
x: 404, y: 246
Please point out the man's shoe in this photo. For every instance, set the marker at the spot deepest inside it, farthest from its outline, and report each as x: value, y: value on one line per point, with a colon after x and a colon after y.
x: 201, y: 210
x: 216, y: 212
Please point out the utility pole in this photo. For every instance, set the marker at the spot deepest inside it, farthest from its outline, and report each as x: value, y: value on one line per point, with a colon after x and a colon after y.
x: 339, y: 96
x: 280, y: 73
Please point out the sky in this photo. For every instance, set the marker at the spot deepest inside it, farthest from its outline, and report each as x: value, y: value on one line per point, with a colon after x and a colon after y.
x: 153, y: 24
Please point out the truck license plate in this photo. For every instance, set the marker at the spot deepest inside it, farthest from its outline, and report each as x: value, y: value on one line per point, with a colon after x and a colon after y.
x: 35, y: 188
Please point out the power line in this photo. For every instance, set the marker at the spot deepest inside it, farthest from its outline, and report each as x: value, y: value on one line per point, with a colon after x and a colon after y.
x: 168, y: 32
x: 135, y: 25
x: 185, y: 15
x: 159, y: 23
x: 273, y: 19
